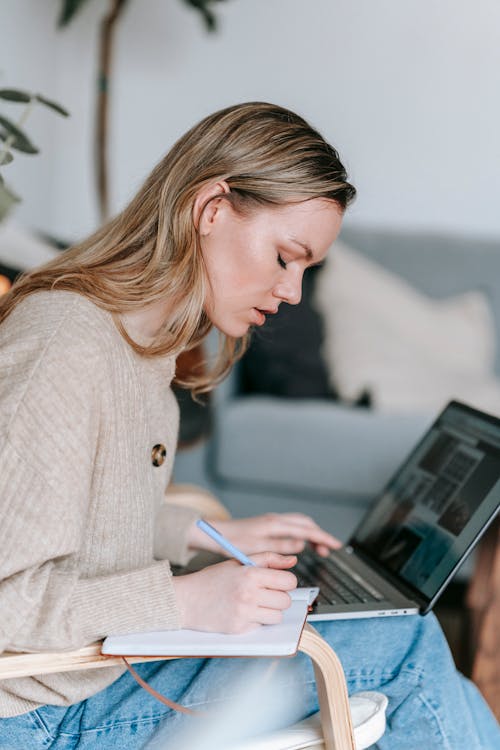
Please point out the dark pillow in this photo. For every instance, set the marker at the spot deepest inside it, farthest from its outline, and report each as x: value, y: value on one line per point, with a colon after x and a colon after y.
x: 195, y: 417
x: 284, y: 357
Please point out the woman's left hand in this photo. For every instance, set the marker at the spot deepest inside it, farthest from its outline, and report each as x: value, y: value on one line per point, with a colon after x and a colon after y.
x: 286, y: 533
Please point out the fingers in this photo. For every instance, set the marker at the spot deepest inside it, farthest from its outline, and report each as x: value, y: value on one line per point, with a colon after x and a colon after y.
x: 322, y: 550
x: 278, y: 600
x: 274, y: 560
x: 271, y: 606
x: 263, y: 596
x: 285, y: 546
x: 263, y: 616
x: 286, y: 533
x: 271, y: 571
x: 301, y: 527
x: 269, y: 616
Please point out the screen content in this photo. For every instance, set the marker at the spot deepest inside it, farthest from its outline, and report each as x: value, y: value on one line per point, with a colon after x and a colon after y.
x: 434, y: 508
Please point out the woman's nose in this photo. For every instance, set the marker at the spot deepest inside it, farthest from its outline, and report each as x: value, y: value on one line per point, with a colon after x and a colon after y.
x: 290, y: 291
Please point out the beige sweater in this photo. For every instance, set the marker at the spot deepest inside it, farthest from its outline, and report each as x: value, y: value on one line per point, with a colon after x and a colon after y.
x: 84, y: 531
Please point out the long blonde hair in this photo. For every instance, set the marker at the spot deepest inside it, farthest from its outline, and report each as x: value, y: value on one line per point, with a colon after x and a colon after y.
x: 150, y: 251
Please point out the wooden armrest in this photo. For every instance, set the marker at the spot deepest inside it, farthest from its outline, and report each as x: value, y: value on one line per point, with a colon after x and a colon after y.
x: 335, y: 713
x: 332, y: 690
x: 198, y: 498
x: 47, y: 662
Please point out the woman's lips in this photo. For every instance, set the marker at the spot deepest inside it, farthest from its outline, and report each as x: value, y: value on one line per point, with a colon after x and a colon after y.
x: 260, y: 315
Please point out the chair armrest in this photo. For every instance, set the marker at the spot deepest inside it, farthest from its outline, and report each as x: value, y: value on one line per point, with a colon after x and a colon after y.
x: 198, y: 498
x: 332, y: 690
x: 333, y: 699
x: 48, y: 662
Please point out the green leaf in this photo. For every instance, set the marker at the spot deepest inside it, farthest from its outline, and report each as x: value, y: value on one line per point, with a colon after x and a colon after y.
x: 14, y: 95
x: 20, y: 142
x: 7, y: 200
x: 69, y: 9
x: 53, y: 105
x: 203, y: 7
x: 5, y: 158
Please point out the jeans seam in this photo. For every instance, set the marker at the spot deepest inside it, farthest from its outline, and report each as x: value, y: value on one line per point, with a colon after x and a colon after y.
x: 429, y: 706
x: 357, y: 676
x: 116, y: 724
x: 39, y: 723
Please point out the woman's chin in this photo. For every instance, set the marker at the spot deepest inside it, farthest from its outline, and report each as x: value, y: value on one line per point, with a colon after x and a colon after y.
x: 234, y: 329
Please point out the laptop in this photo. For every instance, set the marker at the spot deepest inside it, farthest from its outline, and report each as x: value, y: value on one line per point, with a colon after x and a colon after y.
x: 418, y: 532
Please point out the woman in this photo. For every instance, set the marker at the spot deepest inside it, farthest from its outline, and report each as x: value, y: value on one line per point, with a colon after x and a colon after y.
x: 219, y: 235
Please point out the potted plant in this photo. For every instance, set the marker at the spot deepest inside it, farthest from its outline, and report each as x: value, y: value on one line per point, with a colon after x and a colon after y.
x: 13, y: 137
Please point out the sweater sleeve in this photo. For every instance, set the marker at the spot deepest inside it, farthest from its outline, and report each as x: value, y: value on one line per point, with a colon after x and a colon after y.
x: 48, y: 435
x: 44, y: 602
x: 171, y: 528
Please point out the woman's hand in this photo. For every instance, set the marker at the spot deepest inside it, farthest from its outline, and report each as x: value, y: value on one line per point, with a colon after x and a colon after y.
x: 286, y: 533
x: 233, y: 598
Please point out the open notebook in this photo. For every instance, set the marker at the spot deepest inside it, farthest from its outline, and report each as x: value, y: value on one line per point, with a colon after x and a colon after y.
x: 266, y: 640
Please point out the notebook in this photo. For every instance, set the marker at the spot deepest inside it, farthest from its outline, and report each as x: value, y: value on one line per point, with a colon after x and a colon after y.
x: 265, y: 640
x: 420, y: 529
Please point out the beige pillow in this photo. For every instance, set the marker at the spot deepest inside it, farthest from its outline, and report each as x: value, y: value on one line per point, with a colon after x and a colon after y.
x: 409, y: 351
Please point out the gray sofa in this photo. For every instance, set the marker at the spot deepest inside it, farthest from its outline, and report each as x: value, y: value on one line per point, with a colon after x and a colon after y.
x: 322, y: 457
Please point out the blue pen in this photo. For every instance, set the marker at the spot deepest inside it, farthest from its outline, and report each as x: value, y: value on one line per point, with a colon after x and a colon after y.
x: 224, y: 543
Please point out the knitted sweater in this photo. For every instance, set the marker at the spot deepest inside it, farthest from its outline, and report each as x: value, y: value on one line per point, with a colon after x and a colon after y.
x: 85, y: 530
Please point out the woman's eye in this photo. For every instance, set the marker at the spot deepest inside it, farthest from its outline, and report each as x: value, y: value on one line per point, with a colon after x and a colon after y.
x: 281, y: 262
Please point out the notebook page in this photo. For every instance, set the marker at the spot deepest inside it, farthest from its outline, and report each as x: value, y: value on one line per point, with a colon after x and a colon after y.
x: 264, y: 640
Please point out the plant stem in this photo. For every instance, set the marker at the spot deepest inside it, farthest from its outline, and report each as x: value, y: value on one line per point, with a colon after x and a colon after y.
x: 106, y: 39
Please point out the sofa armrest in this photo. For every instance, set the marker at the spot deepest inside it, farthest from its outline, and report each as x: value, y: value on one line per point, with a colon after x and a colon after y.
x: 311, y: 445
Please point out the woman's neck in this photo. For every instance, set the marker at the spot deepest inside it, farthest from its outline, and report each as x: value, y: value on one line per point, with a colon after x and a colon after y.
x: 144, y: 324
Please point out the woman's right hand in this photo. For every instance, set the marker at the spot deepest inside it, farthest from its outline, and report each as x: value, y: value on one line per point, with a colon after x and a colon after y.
x: 233, y: 598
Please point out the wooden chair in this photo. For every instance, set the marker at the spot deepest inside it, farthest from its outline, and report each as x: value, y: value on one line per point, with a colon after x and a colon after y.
x: 334, y: 703
x: 335, y: 715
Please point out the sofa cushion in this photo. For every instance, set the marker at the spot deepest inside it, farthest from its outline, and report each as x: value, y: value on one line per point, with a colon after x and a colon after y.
x: 408, y: 350
x: 437, y: 264
x: 311, y: 445
x: 284, y: 358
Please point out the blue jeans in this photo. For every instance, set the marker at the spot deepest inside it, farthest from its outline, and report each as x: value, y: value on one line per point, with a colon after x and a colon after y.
x: 431, y: 705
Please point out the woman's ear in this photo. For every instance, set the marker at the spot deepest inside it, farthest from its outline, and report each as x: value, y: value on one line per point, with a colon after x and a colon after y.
x: 207, y: 204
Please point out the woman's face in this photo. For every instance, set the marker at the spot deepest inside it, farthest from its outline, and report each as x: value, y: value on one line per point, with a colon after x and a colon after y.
x: 256, y: 262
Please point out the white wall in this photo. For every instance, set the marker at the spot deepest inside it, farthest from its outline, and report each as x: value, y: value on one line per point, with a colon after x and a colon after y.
x: 408, y: 91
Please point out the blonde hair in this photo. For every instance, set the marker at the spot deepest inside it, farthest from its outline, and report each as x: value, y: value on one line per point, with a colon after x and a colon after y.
x: 150, y: 251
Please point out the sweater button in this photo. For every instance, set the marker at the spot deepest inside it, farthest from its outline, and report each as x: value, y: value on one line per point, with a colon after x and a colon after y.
x: 158, y: 454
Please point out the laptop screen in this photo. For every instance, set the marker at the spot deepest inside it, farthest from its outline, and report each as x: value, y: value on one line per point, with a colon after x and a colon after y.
x: 433, y: 509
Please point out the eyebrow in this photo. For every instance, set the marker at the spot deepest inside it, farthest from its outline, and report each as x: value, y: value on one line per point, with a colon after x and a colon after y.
x: 304, y: 246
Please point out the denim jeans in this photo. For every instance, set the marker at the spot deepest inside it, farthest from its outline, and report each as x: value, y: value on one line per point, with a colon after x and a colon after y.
x: 431, y: 705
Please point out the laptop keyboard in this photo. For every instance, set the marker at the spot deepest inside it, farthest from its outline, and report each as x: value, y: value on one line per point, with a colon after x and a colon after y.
x: 336, y: 585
